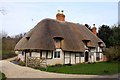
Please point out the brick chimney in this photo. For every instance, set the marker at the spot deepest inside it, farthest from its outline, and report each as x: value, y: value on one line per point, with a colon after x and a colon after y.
x: 60, y: 16
x: 94, y: 29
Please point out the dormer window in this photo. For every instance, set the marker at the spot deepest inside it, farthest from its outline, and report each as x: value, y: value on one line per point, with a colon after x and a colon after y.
x: 27, y: 38
x: 86, y: 42
x: 57, y: 42
x: 100, y: 44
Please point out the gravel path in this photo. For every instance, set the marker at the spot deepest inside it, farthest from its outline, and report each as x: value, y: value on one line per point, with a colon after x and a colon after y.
x: 15, y: 71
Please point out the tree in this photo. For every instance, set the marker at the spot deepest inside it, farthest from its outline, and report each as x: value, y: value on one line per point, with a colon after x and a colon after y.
x: 113, y: 52
x: 104, y: 33
x: 8, y: 44
x: 88, y: 26
x: 115, y: 36
x: 4, y: 34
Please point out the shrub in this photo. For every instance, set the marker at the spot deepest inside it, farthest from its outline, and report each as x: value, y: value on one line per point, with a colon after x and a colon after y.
x: 21, y: 63
x: 8, y: 54
x: 113, y: 53
x: 68, y: 64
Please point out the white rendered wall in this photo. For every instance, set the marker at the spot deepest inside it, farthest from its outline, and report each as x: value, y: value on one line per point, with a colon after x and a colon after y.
x: 67, y: 57
x: 35, y: 54
x: 54, y: 61
x: 77, y: 59
x: 72, y: 58
x: 82, y: 59
x: 93, y: 53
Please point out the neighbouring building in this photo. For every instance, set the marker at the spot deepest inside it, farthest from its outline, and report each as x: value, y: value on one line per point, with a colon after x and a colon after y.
x: 62, y: 42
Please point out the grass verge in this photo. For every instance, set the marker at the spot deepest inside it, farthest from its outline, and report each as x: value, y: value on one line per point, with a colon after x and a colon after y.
x: 2, y: 76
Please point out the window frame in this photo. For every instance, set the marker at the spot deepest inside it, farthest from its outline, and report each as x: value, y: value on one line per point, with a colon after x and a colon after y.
x: 97, y: 56
x: 57, y: 54
x: 49, y: 54
x: 82, y: 54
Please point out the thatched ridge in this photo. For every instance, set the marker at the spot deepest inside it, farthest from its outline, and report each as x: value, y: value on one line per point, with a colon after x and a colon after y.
x: 41, y: 36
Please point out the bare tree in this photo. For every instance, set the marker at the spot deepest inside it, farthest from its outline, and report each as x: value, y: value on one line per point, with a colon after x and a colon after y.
x: 4, y: 34
x: 3, y: 11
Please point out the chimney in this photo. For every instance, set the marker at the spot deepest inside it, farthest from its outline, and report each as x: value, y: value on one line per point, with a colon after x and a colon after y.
x: 94, y: 29
x: 60, y: 16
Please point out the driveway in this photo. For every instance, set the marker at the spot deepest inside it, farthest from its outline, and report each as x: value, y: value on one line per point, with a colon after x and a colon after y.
x: 15, y: 71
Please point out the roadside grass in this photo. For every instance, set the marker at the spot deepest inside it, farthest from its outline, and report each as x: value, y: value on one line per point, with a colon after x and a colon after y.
x: 2, y: 76
x: 100, y: 68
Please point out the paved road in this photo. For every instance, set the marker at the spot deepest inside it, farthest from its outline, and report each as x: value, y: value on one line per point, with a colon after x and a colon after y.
x: 15, y: 71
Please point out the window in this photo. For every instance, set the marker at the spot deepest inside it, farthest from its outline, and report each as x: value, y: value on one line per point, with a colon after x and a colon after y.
x: 49, y: 54
x: 77, y: 54
x: 57, y: 54
x: 97, y: 56
x: 100, y: 44
x: 81, y: 54
x: 27, y: 38
x: 86, y: 42
x: 57, y: 42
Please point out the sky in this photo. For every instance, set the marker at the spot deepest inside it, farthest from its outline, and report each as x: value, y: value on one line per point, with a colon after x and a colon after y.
x: 20, y: 17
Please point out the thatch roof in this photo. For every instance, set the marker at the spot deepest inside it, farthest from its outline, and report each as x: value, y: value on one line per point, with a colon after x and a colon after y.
x: 41, y: 36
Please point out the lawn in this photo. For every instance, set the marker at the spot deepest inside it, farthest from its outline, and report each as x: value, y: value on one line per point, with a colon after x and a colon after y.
x: 101, y: 68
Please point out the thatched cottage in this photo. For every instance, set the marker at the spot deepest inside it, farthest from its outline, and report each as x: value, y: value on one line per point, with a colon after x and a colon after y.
x: 61, y: 42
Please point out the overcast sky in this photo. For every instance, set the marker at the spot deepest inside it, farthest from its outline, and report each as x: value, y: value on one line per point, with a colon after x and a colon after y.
x: 19, y: 17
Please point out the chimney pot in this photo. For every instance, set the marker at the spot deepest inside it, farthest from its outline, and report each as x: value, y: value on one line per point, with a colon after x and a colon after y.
x: 58, y: 11
x: 60, y: 16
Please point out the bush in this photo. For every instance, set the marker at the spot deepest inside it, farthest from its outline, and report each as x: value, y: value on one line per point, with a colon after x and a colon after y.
x: 113, y: 53
x: 56, y: 65
x: 21, y: 63
x: 8, y: 54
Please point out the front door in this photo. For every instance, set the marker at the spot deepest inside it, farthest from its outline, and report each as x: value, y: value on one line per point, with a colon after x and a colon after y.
x: 86, y: 56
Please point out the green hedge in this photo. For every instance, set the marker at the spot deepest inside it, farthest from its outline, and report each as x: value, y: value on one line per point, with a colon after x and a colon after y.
x: 8, y: 54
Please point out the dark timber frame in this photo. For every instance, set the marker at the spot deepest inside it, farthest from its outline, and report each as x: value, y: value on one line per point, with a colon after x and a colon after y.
x: 75, y: 58
x: 70, y: 58
x: 86, y: 56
